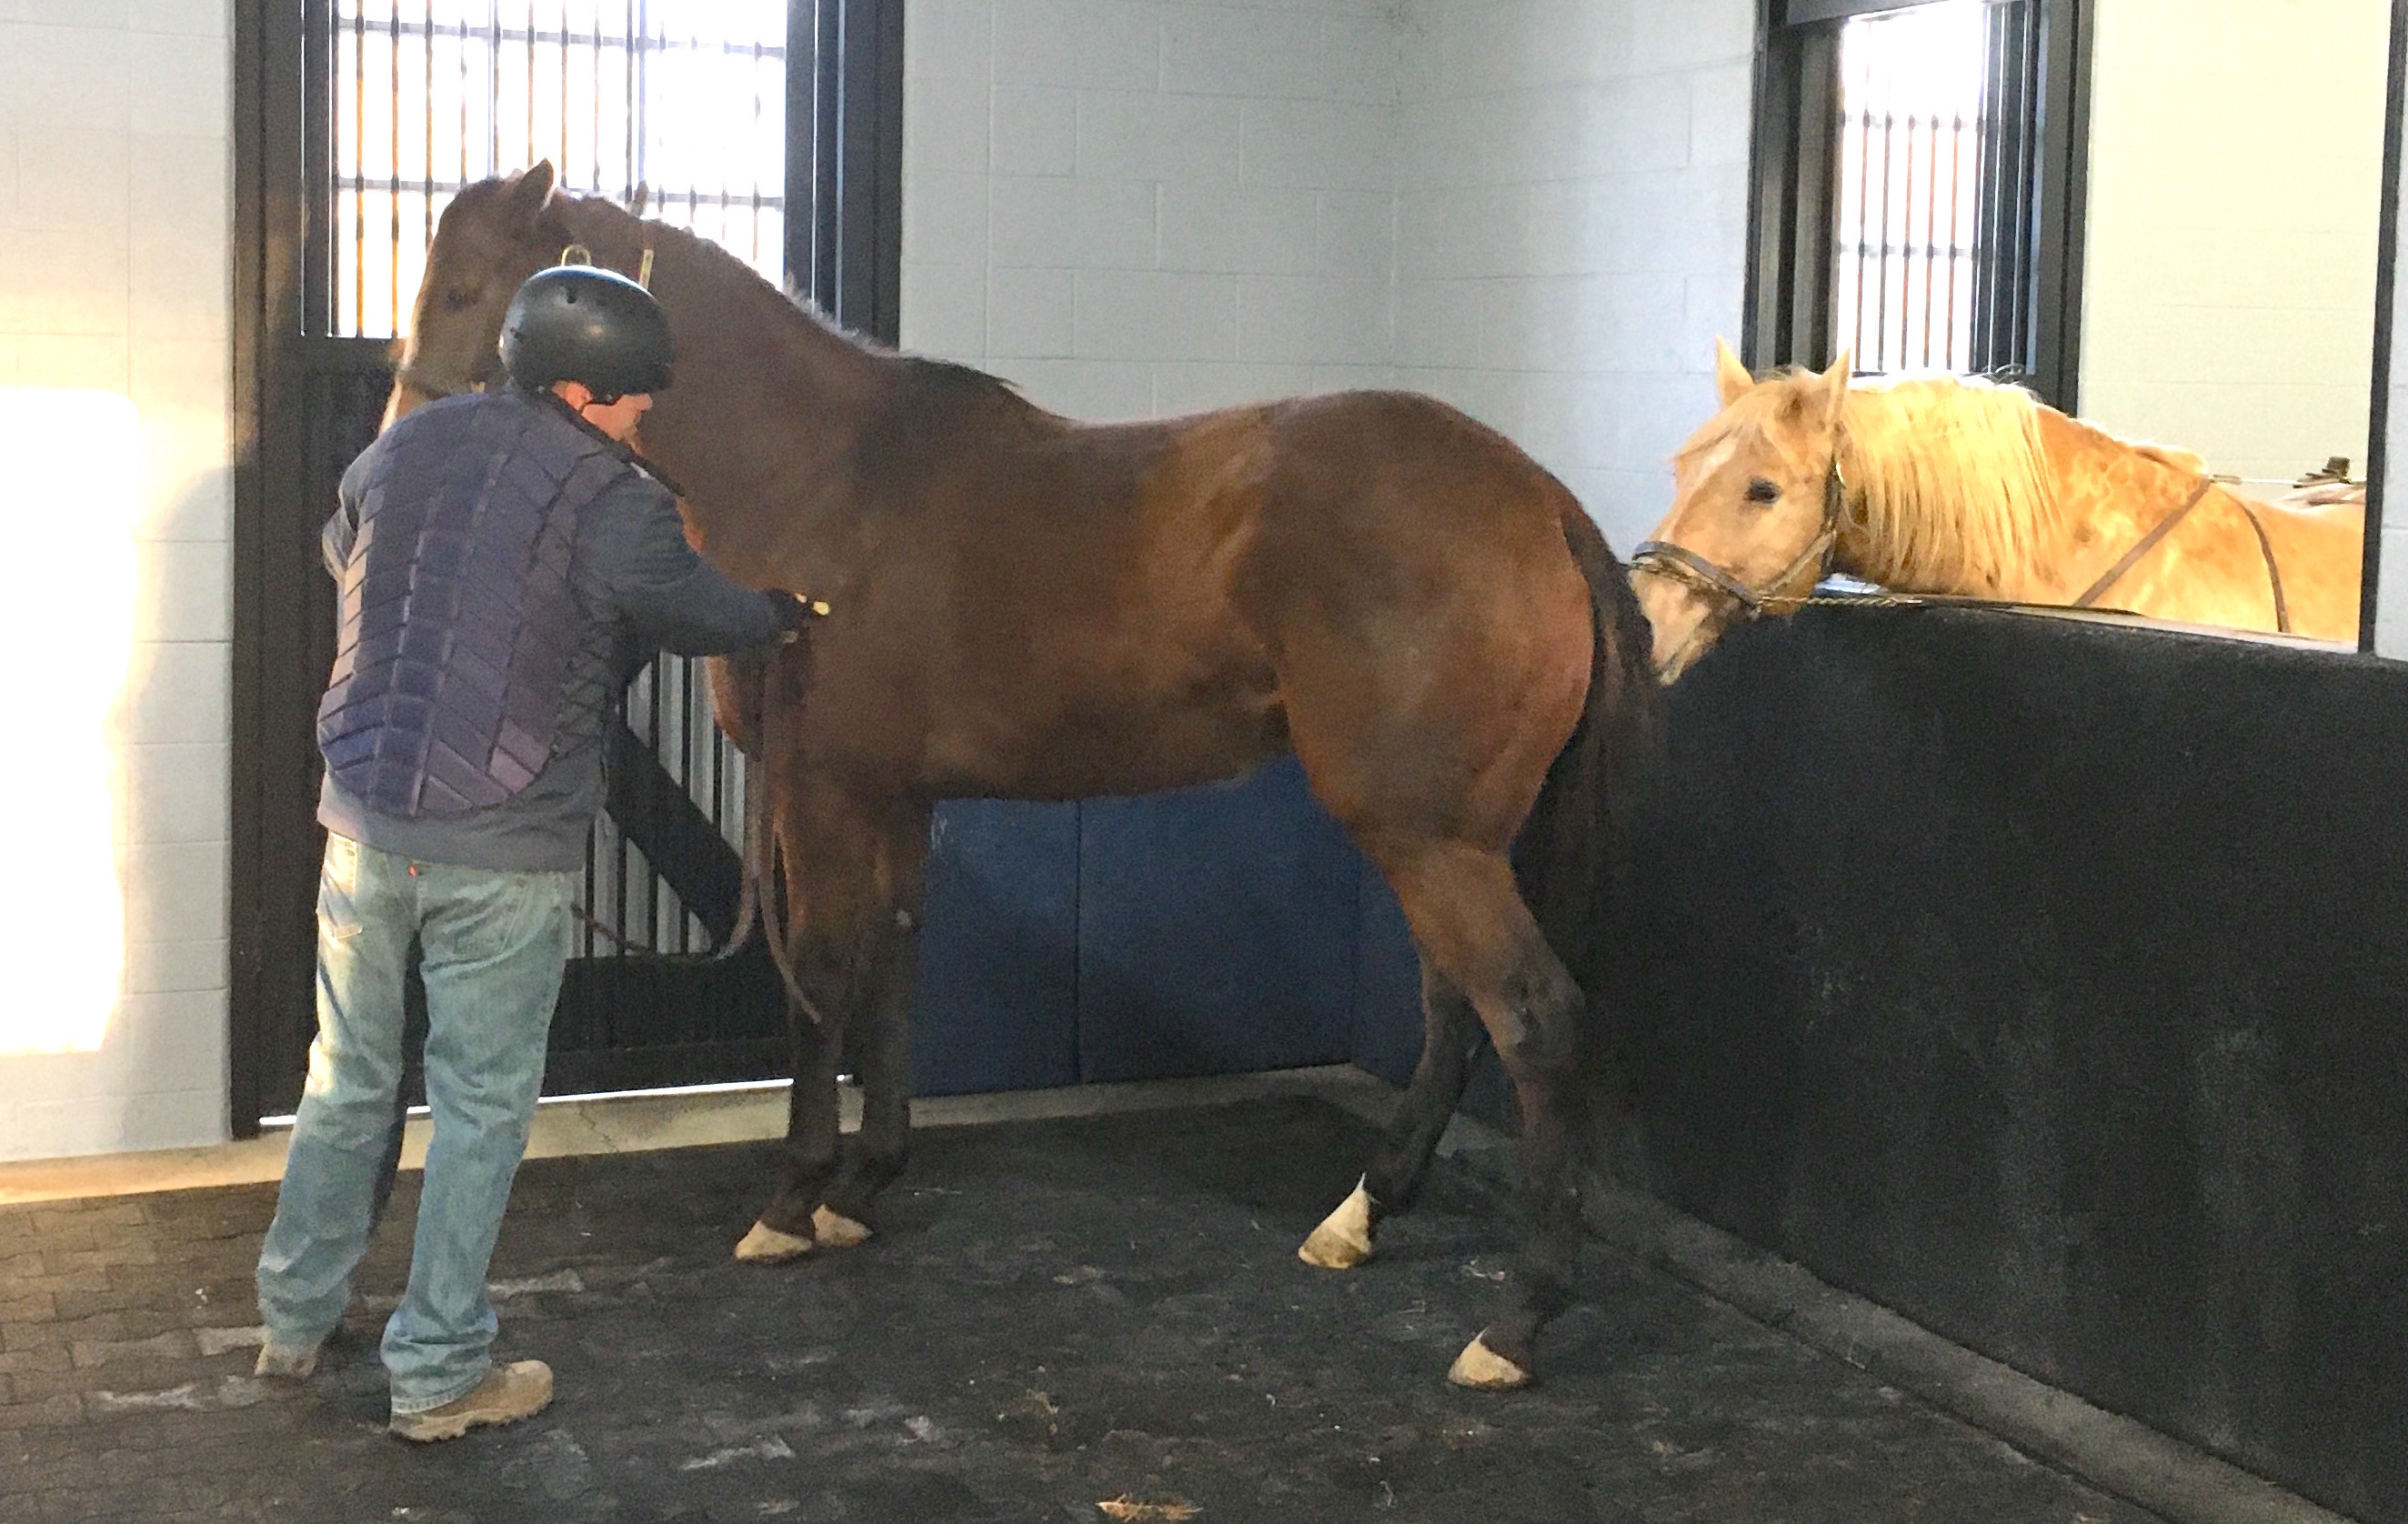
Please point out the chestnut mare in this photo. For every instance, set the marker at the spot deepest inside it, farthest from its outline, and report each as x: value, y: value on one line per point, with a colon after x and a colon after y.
x: 1026, y: 606
x: 1949, y: 485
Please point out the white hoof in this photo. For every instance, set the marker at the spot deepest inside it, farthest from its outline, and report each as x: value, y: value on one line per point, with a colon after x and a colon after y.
x: 766, y: 1246
x: 1343, y: 1240
x: 835, y: 1230
x: 1482, y: 1369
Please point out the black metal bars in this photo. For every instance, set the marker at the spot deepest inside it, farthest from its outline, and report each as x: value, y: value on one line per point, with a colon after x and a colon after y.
x: 685, y: 99
x: 1919, y: 179
x: 1915, y: 132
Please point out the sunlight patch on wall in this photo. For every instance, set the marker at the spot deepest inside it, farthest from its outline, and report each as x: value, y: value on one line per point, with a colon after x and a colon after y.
x: 74, y: 466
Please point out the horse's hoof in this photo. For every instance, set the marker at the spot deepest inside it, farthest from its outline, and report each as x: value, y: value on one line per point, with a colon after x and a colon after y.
x: 1482, y: 1369
x: 766, y: 1246
x: 1343, y: 1240
x: 833, y: 1229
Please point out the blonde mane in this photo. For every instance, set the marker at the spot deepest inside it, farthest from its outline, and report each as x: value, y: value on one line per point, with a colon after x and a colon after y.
x: 1947, y: 487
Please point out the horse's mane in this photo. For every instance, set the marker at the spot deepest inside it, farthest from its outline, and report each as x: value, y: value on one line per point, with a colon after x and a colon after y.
x: 787, y: 314
x: 1948, y: 486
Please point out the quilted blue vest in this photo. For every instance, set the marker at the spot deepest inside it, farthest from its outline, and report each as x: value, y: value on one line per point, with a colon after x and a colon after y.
x: 457, y: 618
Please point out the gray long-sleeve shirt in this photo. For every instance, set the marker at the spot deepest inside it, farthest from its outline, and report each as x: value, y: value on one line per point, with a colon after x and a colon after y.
x: 640, y: 587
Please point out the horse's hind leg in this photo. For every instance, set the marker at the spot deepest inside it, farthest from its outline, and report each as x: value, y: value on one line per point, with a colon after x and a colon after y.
x: 882, y: 1050
x: 1450, y: 1042
x: 1473, y: 927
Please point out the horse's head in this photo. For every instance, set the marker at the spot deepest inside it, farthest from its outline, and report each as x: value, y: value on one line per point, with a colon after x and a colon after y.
x: 492, y: 236
x: 1754, y: 507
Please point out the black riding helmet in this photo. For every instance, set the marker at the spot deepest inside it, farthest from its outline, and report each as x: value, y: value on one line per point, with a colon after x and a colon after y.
x: 582, y: 323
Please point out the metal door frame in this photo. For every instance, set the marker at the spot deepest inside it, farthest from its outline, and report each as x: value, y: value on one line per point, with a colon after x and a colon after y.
x: 844, y: 157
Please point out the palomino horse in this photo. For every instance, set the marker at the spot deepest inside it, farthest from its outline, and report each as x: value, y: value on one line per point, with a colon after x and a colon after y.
x: 1026, y: 606
x: 1942, y: 484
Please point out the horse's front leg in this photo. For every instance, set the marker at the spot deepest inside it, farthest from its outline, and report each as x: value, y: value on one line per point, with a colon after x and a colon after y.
x: 787, y: 1228
x: 881, y: 1037
x: 852, y: 877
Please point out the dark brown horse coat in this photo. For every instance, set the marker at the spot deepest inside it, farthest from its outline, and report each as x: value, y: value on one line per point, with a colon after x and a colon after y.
x: 1028, y: 607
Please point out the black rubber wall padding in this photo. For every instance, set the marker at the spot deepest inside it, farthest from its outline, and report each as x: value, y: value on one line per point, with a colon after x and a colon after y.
x: 2048, y: 982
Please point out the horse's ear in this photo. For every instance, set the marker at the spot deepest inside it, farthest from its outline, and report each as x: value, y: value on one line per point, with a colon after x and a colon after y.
x: 1835, y: 383
x: 635, y: 202
x: 530, y: 191
x: 1729, y: 374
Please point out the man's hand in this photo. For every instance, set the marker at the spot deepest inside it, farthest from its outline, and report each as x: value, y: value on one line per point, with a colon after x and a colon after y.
x: 796, y: 613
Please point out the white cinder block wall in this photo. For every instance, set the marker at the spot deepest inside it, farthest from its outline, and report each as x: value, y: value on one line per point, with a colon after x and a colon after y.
x: 1536, y: 209
x: 115, y: 226
x: 1571, y: 227
x: 1135, y: 209
x: 2236, y: 155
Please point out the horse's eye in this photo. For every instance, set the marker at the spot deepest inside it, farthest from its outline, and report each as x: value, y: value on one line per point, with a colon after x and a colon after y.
x: 1761, y: 491
x: 457, y: 300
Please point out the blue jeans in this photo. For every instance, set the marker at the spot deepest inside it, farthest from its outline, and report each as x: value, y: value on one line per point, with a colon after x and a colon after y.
x: 491, y: 946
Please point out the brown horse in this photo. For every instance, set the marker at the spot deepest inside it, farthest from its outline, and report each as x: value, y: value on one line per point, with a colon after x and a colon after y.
x: 1026, y: 606
x: 1942, y: 484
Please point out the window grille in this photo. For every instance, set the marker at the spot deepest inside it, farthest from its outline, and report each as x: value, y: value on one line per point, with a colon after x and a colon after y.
x: 1918, y: 185
x: 426, y: 96
x: 1908, y: 236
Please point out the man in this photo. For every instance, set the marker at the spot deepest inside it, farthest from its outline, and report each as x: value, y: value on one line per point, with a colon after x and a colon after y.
x: 503, y: 566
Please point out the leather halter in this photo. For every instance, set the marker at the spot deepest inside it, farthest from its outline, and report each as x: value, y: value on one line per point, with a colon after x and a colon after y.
x: 1678, y: 562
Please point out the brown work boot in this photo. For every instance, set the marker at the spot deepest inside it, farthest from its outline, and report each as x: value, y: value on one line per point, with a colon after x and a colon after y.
x: 518, y: 1390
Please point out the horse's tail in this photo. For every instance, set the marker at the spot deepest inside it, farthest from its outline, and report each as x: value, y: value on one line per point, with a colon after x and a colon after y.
x: 1570, y: 857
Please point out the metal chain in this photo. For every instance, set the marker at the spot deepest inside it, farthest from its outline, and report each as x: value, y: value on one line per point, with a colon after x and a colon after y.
x: 1786, y: 602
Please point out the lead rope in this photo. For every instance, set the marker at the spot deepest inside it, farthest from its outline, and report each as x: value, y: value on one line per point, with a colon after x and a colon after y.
x: 756, y: 902
x: 757, y: 905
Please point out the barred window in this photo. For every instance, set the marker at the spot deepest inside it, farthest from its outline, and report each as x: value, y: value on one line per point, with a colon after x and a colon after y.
x: 1918, y: 187
x: 687, y: 101
x: 1908, y: 240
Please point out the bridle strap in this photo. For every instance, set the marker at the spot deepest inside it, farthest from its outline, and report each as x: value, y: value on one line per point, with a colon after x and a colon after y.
x: 1666, y: 559
x: 2149, y: 541
x: 1678, y: 562
x: 2273, y: 572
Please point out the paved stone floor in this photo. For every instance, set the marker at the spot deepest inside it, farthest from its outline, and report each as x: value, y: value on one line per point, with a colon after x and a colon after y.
x: 1056, y: 1316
